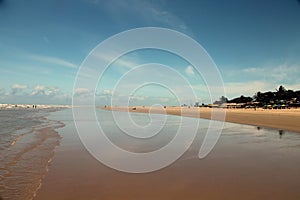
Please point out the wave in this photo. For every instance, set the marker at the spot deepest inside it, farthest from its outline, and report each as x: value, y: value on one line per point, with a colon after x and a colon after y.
x: 24, y: 163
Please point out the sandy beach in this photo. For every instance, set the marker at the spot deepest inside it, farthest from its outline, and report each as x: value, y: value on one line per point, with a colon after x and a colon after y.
x: 281, y: 119
x: 247, y: 163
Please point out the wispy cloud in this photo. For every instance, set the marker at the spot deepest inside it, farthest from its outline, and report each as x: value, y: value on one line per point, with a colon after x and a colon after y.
x: 18, y: 86
x: 82, y: 92
x: 119, y: 66
x: 52, y: 60
x: 277, y: 73
x: 107, y: 92
x: 150, y: 12
x: 190, y: 70
x: 123, y: 61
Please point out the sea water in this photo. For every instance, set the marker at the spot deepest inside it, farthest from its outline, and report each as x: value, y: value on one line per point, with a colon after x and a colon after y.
x: 27, y: 142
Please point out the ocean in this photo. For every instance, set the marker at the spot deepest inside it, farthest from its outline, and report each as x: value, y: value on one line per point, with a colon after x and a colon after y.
x: 27, y: 143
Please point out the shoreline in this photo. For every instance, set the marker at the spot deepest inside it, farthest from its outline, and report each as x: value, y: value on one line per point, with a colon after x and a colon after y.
x: 281, y: 119
x: 34, y: 142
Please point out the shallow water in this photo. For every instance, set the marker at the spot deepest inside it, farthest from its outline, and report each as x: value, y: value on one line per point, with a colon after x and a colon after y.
x: 248, y: 162
x: 27, y: 142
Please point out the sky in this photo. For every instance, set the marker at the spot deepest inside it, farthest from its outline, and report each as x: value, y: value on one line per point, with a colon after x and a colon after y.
x: 255, y: 45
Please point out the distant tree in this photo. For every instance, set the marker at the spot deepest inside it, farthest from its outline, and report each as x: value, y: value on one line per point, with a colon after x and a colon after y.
x: 281, y: 89
x: 258, y: 97
x: 297, y: 95
x: 290, y: 94
x: 241, y: 99
x: 222, y: 100
x: 281, y: 95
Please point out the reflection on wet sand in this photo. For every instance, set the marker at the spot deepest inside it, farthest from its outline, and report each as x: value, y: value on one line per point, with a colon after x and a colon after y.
x: 281, y: 132
x: 247, y: 163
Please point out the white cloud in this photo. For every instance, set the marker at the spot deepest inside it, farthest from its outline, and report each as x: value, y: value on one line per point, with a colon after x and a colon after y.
x: 190, y: 70
x: 107, y: 92
x: 253, y: 70
x: 138, y: 98
x: 46, y: 91
x: 39, y: 94
x: 38, y: 90
x: 48, y: 94
x: 82, y: 91
x: 52, y: 60
x: 17, y: 88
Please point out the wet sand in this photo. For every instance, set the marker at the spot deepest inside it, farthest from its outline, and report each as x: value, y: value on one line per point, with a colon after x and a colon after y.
x: 28, y: 141
x: 282, y: 119
x: 247, y: 163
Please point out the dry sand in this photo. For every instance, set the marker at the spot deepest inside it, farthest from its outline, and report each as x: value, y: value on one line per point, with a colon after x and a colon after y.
x: 282, y: 119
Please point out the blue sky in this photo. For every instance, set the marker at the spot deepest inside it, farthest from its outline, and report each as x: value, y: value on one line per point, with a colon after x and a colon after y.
x: 255, y: 44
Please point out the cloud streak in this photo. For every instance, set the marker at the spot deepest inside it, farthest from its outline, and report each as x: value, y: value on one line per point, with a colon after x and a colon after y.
x: 123, y: 61
x: 149, y: 12
x: 53, y: 61
x: 82, y: 92
x: 277, y: 73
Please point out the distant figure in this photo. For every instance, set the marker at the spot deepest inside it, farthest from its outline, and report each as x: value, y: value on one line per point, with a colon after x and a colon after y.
x: 281, y: 132
x: 258, y: 128
x: 134, y: 108
x: 165, y: 106
x: 33, y: 106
